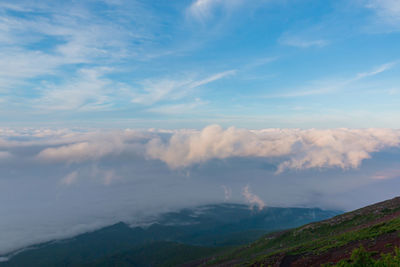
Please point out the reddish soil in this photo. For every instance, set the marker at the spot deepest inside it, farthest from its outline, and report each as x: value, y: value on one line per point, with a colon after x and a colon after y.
x: 382, y: 244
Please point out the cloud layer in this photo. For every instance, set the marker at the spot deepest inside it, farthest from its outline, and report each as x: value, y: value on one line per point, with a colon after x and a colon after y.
x: 297, y: 149
x: 289, y: 149
x: 56, y: 183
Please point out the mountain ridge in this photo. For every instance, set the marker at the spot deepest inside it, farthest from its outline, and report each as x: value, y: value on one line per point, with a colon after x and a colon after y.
x: 197, y: 231
x: 375, y: 227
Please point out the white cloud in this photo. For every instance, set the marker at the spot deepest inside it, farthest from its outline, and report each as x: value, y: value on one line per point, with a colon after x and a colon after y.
x: 203, y: 9
x: 17, y: 65
x: 289, y: 149
x: 169, y: 89
x: 106, y: 176
x: 328, y: 86
x: 73, y: 35
x: 155, y: 91
x: 302, y: 42
x: 227, y: 192
x: 252, y: 199
x: 103, y: 176
x: 83, y: 151
x: 377, y: 70
x: 388, y: 10
x: 183, y: 108
x: 212, y: 78
x: 76, y: 147
x: 298, y: 149
x: 89, y: 90
x: 71, y: 178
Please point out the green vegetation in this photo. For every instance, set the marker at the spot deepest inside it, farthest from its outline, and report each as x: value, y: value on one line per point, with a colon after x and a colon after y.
x: 156, y: 254
x: 323, y: 245
x: 312, y: 238
x: 309, y: 245
x: 362, y: 258
x: 153, y: 254
x: 315, y: 239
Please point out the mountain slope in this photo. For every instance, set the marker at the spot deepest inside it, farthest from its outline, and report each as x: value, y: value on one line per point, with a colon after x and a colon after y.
x: 195, y: 232
x: 374, y: 227
x: 155, y: 254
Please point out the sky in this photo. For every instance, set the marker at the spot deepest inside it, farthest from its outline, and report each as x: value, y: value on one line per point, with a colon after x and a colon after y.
x: 119, y: 110
x: 188, y: 64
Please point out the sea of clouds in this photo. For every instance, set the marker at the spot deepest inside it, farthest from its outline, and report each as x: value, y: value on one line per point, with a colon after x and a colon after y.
x: 56, y: 183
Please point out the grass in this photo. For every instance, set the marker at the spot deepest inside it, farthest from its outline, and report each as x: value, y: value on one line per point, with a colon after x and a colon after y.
x: 311, y: 239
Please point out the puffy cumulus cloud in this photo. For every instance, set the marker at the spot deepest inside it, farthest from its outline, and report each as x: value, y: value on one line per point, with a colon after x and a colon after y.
x: 297, y: 149
x: 288, y: 149
x: 186, y: 148
x: 252, y: 199
x: 342, y: 148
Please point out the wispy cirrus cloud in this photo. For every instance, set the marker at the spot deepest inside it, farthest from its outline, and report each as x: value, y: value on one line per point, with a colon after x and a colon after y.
x: 88, y: 90
x: 18, y: 66
x: 181, y: 108
x: 324, y: 87
x: 388, y: 10
x: 44, y: 43
x: 312, y: 36
x: 375, y: 71
x: 302, y: 42
x: 154, y: 91
x: 204, y: 9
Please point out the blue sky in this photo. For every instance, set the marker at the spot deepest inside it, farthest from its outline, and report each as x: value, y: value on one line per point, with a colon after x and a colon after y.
x: 187, y: 64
